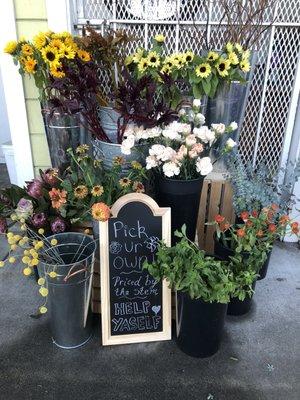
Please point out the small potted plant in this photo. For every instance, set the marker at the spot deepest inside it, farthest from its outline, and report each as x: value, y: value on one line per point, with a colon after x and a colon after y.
x: 203, y: 287
x: 179, y: 157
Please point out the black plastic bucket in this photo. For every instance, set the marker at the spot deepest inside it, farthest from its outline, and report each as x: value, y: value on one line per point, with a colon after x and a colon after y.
x: 70, y: 291
x: 240, y: 307
x: 199, y: 325
x: 183, y: 196
x: 264, y: 269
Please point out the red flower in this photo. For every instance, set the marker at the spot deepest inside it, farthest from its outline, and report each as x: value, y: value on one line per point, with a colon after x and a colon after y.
x: 295, y: 227
x: 219, y: 219
x: 284, y: 219
x: 260, y: 233
x: 249, y: 223
x: 254, y: 214
x: 274, y: 207
x: 272, y: 228
x: 226, y: 226
x: 241, y: 232
x: 270, y: 215
x: 244, y: 215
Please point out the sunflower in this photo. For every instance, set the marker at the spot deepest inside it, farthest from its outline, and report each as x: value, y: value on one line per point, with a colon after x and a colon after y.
x: 169, y: 62
x: 50, y: 55
x: 246, y: 55
x: 212, y: 56
x: 143, y: 64
x: 125, y: 182
x: 40, y: 40
x: 159, y: 38
x: 68, y: 52
x: 138, y: 55
x: 10, y: 47
x: 128, y: 60
x: 203, y: 70
x: 61, y: 35
x: 178, y: 60
x: 30, y: 65
x: 223, y: 66
x: 138, y: 187
x: 153, y: 59
x: 84, y: 55
x: 57, y: 71
x: 81, y: 191
x: 229, y: 47
x: 70, y: 42
x: 238, y: 47
x: 27, y: 50
x: 97, y: 190
x: 188, y: 56
x: 136, y: 165
x: 58, y: 44
x: 233, y: 58
x: 166, y: 70
x: 245, y: 66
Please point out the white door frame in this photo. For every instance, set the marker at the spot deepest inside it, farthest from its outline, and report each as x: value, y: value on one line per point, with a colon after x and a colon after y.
x: 14, y: 98
x: 62, y: 20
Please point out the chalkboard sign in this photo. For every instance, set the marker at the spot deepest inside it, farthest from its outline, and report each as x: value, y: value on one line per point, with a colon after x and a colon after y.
x: 134, y: 306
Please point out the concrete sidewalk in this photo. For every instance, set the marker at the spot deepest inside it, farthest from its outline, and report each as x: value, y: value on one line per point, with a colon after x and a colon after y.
x: 259, y: 358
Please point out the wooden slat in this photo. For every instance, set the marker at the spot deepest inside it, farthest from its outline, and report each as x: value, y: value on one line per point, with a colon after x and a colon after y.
x: 226, y: 206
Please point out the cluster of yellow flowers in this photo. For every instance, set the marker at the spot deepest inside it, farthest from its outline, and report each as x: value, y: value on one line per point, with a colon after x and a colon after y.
x: 28, y: 249
x: 48, y: 49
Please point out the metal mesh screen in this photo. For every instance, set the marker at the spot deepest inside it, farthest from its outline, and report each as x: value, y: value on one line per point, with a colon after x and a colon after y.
x: 183, y: 23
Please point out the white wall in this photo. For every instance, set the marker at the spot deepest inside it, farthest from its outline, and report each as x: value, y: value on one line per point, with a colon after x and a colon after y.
x: 4, y: 125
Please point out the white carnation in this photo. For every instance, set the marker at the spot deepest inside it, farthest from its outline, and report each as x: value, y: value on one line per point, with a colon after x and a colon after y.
x: 233, y: 125
x: 204, y: 165
x: 205, y: 134
x: 230, y: 143
x: 196, y: 102
x: 199, y: 119
x: 190, y: 140
x: 127, y: 144
x: 156, y: 150
x: 168, y: 154
x: 151, y: 162
x: 170, y: 169
x: 171, y: 134
x: 181, y: 112
x: 219, y: 128
x: 154, y: 132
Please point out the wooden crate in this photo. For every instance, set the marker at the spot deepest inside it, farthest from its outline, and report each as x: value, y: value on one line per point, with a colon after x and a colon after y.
x: 216, y: 198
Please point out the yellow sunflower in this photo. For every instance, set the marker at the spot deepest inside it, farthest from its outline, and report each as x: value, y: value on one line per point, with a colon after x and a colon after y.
x: 125, y: 182
x: 153, y: 59
x: 169, y: 61
x: 246, y: 55
x: 68, y: 52
x: 138, y: 55
x: 50, y: 55
x: 84, y: 55
x: 245, y: 66
x: 70, y: 42
x: 239, y: 47
x: 188, y: 56
x: 178, y: 60
x: 212, y: 56
x: 58, y: 44
x: 97, y: 190
x: 136, y: 165
x: 233, y: 58
x: 40, y: 40
x: 81, y: 191
x: 223, y: 67
x: 57, y: 71
x: 143, y: 64
x: 166, y: 70
x: 27, y: 50
x: 229, y: 47
x: 128, y: 60
x: 10, y: 47
x: 30, y: 65
x: 203, y: 70
x: 61, y: 35
x: 159, y: 38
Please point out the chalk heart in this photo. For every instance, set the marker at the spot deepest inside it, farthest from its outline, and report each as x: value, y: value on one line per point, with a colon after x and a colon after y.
x: 156, y: 309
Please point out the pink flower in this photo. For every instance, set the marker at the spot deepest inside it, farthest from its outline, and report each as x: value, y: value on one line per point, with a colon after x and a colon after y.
x: 181, y: 153
x: 35, y: 188
x: 196, y: 150
x: 190, y: 140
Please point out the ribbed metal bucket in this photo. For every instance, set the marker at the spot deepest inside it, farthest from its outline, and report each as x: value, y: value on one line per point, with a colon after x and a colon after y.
x: 109, y: 122
x: 70, y: 291
x: 62, y: 131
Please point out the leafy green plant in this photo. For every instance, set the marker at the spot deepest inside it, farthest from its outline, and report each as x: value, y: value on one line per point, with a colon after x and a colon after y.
x: 188, y: 269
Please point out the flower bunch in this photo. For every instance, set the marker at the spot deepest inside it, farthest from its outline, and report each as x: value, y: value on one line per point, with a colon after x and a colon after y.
x: 180, y: 149
x: 46, y: 57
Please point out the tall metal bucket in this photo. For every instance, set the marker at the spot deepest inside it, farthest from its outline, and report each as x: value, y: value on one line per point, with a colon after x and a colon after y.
x: 70, y: 291
x: 109, y: 122
x: 63, y: 131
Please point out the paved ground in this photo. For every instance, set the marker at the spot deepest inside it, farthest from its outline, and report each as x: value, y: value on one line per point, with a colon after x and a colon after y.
x: 264, y: 345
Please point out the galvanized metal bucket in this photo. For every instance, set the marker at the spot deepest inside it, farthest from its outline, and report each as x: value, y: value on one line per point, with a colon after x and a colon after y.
x: 63, y: 131
x: 109, y: 121
x: 70, y: 291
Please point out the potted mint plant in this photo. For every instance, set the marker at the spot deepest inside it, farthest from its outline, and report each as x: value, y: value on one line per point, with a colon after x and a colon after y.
x: 203, y: 287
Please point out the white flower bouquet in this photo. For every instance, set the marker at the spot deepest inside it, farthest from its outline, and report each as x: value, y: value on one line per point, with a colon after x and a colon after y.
x: 180, y: 150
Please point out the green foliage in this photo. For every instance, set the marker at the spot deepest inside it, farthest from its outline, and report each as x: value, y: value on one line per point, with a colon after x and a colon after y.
x: 188, y: 269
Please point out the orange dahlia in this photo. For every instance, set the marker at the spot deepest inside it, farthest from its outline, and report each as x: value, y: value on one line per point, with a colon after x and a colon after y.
x: 100, y: 212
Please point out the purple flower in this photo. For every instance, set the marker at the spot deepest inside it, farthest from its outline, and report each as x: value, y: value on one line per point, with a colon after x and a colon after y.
x: 35, y: 188
x: 49, y: 176
x: 58, y: 225
x: 39, y: 220
x: 24, y: 208
x: 3, y: 225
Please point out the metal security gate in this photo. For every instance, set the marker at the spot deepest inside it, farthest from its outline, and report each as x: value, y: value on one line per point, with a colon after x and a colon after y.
x: 270, y: 112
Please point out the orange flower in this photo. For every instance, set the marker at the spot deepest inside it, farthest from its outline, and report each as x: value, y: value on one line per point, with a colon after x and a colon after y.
x: 225, y: 227
x: 100, y: 211
x: 284, y: 219
x: 58, y: 197
x: 274, y: 207
x: 249, y: 223
x: 270, y: 215
x: 244, y: 215
x: 241, y: 232
x: 260, y: 233
x: 254, y: 214
x: 219, y: 219
x: 295, y: 227
x: 272, y: 228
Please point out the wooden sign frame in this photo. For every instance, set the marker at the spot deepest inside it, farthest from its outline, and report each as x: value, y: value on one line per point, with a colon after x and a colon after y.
x: 165, y: 334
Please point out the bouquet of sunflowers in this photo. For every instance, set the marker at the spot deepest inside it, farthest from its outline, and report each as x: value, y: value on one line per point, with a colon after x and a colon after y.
x: 47, y: 57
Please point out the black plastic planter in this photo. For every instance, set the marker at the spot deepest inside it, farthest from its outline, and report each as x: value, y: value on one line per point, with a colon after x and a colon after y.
x: 264, y: 269
x: 183, y: 197
x: 199, y: 325
x: 240, y: 307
